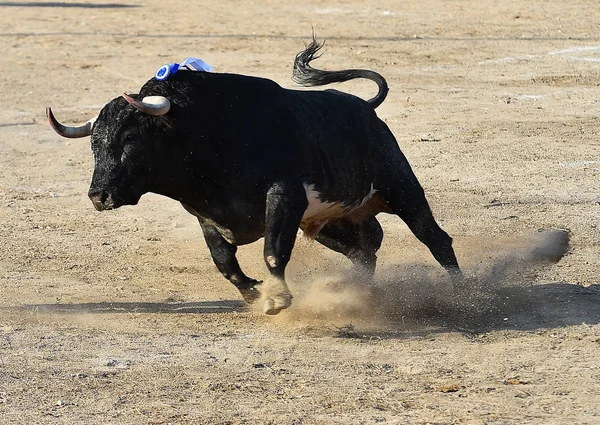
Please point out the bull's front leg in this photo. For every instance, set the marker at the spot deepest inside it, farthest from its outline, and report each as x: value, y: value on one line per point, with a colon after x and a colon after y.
x: 223, y: 254
x: 286, y: 203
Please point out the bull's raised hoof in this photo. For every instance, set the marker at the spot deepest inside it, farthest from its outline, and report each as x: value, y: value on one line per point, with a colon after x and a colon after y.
x: 274, y: 296
x: 251, y: 159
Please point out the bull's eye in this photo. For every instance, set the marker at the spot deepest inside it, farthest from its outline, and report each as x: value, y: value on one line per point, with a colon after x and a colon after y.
x: 129, y: 137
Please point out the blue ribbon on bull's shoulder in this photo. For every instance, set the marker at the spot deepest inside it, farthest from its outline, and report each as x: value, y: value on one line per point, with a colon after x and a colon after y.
x: 191, y: 64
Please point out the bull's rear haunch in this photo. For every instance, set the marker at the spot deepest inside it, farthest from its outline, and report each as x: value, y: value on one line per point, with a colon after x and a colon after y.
x: 250, y: 159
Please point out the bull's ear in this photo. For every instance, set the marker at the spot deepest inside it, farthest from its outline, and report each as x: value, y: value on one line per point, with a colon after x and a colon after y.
x: 70, y: 132
x: 151, y: 105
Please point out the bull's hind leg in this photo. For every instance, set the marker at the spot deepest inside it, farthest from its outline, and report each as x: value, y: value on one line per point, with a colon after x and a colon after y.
x: 421, y: 222
x: 399, y: 188
x: 409, y: 203
x: 357, y: 241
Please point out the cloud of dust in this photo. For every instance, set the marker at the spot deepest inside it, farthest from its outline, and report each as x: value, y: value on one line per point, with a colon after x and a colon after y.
x: 414, y: 295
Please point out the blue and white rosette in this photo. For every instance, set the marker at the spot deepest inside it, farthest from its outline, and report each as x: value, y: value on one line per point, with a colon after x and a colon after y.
x: 191, y: 64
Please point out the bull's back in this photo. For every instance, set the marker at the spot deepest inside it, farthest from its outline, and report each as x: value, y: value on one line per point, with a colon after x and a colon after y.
x: 333, y: 132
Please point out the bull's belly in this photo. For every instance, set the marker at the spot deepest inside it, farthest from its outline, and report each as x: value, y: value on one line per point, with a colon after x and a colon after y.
x: 315, y: 217
x: 245, y: 232
x: 319, y: 213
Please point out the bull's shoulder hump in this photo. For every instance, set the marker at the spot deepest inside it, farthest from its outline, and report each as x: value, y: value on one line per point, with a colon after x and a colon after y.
x: 246, y: 80
x: 223, y: 83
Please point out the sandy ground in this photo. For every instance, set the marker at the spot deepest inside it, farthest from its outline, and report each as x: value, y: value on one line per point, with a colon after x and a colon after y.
x: 121, y: 318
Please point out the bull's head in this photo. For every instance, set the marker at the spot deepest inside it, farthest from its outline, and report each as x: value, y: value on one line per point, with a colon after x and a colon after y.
x: 121, y: 140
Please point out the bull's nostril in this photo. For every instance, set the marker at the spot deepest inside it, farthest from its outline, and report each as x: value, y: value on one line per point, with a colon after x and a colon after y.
x: 103, y: 197
x: 98, y: 199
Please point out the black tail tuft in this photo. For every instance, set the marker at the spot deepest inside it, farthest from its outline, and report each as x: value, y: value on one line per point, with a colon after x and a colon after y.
x: 306, y: 75
x: 303, y: 73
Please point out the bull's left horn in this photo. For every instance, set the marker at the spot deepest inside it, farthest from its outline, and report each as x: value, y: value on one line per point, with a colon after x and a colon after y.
x: 70, y: 132
x: 151, y: 105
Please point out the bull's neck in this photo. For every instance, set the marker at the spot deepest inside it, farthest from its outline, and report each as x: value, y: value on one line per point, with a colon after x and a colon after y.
x: 186, y: 175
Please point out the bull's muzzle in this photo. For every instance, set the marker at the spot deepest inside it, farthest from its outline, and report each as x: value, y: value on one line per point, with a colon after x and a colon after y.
x: 102, y: 200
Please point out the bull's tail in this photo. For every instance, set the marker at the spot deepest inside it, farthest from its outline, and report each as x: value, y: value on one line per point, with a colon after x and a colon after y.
x: 306, y: 75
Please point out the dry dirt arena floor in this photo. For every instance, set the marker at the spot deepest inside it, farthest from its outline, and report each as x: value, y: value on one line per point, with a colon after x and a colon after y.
x: 121, y: 317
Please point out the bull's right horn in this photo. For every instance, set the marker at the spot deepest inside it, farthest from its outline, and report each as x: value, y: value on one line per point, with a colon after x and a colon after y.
x: 70, y: 132
x: 151, y: 105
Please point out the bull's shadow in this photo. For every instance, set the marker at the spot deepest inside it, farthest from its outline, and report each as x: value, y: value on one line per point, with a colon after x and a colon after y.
x: 526, y: 308
x: 204, y: 307
x: 404, y: 310
x: 67, y: 5
x: 400, y: 307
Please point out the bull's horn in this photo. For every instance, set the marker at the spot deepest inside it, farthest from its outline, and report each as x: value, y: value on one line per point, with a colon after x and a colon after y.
x: 70, y: 132
x: 151, y: 105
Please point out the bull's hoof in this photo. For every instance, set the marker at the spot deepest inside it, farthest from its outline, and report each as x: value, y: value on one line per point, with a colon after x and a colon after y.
x: 247, y: 287
x: 250, y: 294
x: 275, y: 296
x: 274, y: 305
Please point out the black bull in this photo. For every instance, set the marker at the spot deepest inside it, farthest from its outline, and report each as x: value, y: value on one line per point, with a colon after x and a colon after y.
x: 250, y: 159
